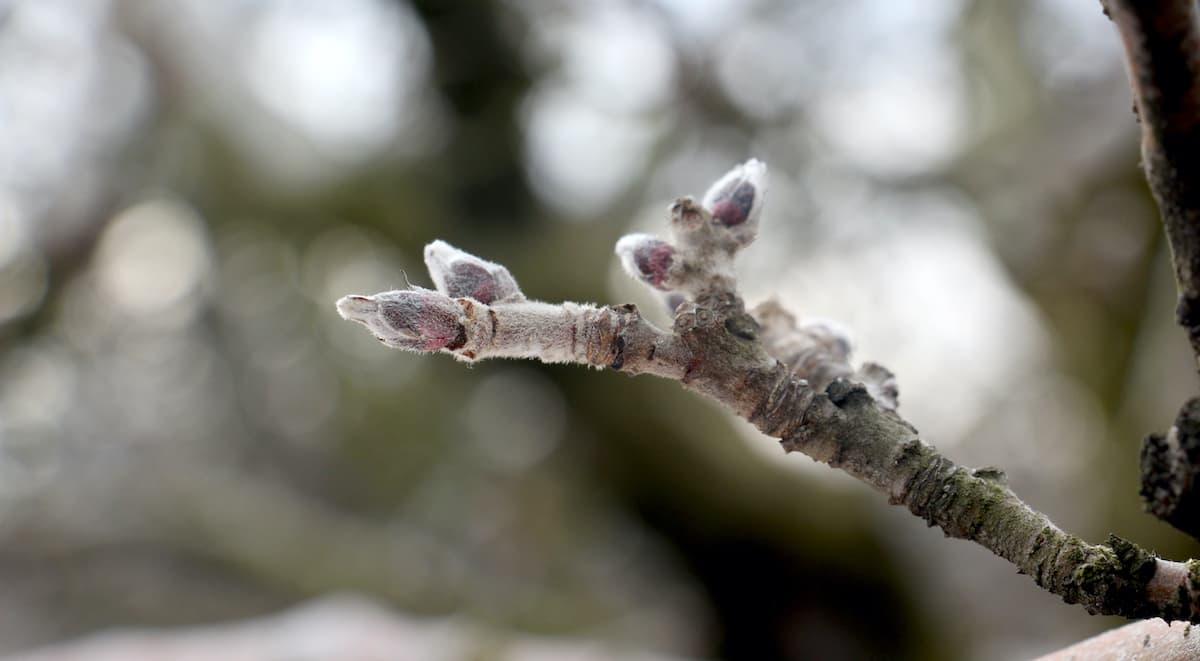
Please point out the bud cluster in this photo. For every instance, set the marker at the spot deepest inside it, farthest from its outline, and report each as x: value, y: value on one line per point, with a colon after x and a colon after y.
x: 705, y: 236
x: 420, y: 319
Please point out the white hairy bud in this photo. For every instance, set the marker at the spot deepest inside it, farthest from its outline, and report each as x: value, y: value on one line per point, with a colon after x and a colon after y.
x: 735, y: 201
x: 651, y: 260
x: 414, y: 319
x: 460, y: 274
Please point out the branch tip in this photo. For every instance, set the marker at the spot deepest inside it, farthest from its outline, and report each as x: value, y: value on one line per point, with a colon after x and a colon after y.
x: 356, y: 308
x: 793, y: 381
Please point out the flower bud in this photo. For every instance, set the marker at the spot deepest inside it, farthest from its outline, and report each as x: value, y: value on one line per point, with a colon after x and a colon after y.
x: 649, y: 259
x: 735, y: 200
x: 459, y: 274
x: 686, y: 215
x: 829, y: 337
x: 415, y: 319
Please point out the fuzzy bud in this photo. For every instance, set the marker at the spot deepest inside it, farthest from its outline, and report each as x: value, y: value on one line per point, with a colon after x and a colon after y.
x: 649, y: 259
x: 689, y: 224
x: 735, y: 200
x: 686, y: 216
x: 830, y: 337
x: 459, y: 274
x: 817, y: 350
x: 415, y: 319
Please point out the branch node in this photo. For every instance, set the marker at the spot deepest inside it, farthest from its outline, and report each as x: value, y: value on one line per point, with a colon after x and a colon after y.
x: 991, y: 474
x: 743, y: 326
x: 1187, y: 312
x: 619, y: 360
x: 847, y: 394
x: 1170, y: 467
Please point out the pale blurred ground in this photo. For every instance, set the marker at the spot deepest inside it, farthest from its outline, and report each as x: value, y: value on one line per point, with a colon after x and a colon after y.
x: 189, y: 435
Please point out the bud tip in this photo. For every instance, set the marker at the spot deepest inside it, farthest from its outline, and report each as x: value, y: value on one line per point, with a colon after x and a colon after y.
x: 736, y: 198
x: 357, y: 308
x: 647, y: 258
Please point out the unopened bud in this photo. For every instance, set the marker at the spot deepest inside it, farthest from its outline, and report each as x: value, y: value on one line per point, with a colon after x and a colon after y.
x: 735, y: 200
x: 415, y: 319
x: 686, y: 215
x: 831, y: 337
x: 649, y: 259
x: 817, y: 350
x: 459, y: 274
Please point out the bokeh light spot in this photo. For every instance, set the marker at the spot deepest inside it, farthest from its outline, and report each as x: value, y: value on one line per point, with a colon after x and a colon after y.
x: 153, y: 259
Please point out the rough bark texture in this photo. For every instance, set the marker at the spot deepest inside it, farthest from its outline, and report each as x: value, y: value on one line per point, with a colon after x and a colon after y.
x: 1171, y: 472
x: 846, y: 428
x: 1162, y: 46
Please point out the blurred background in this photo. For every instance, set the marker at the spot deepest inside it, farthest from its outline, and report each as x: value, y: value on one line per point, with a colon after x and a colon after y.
x: 191, y: 437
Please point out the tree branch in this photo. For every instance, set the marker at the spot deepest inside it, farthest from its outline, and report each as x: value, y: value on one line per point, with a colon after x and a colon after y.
x: 793, y: 382
x: 1162, y: 47
x: 1171, y: 471
x: 1148, y: 639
